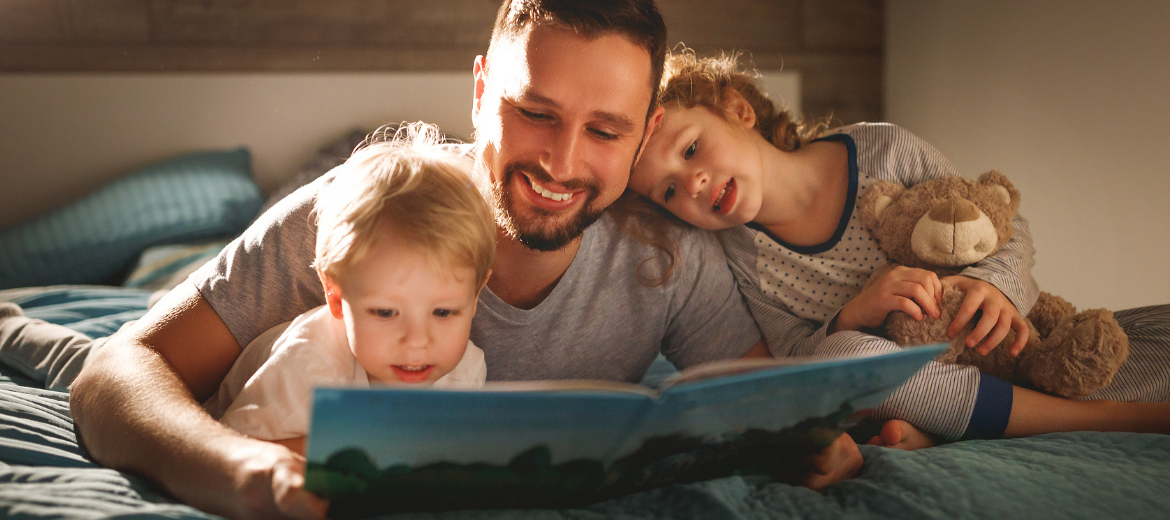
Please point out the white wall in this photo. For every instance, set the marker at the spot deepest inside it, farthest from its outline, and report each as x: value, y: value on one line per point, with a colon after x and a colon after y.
x: 1070, y: 100
x: 63, y: 135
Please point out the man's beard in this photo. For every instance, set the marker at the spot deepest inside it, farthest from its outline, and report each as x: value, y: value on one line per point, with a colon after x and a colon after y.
x: 542, y: 234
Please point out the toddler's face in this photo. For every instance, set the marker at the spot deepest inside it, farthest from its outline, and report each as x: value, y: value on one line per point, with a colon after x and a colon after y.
x: 406, y: 319
x: 703, y: 168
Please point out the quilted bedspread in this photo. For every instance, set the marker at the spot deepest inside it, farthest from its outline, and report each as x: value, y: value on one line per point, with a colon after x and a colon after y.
x: 44, y: 474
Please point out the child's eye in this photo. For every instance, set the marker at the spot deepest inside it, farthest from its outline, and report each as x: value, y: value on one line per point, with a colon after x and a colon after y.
x: 690, y: 150
x: 666, y: 195
x: 384, y: 313
x: 444, y: 313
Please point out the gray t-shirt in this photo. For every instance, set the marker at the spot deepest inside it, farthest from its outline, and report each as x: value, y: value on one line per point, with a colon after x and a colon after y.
x: 599, y: 322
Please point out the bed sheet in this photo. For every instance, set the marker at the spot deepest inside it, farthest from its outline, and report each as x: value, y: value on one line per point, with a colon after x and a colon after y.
x: 45, y: 474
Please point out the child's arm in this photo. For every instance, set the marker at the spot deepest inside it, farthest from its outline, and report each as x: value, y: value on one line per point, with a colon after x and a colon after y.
x: 1008, y: 270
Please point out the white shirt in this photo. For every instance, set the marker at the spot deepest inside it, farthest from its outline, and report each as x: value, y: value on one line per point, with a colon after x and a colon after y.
x: 273, y: 402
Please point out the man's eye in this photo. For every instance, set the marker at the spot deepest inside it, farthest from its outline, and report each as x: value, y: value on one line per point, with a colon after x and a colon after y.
x: 535, y: 116
x: 603, y: 135
x: 666, y: 195
x: 691, y: 150
x: 444, y: 313
x: 384, y: 313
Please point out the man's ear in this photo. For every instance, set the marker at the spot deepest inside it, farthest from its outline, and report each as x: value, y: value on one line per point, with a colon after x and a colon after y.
x: 479, y: 70
x: 332, y: 295
x: 739, y: 108
x: 651, y: 124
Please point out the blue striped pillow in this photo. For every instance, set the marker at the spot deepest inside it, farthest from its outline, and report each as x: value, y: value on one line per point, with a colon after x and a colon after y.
x: 193, y: 197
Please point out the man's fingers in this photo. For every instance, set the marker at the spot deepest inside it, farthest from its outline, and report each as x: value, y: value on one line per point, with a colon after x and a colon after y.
x: 303, y: 505
x: 290, y: 497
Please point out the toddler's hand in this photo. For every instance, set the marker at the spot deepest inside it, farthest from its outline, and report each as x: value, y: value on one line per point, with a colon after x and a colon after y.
x: 999, y: 316
x: 905, y: 289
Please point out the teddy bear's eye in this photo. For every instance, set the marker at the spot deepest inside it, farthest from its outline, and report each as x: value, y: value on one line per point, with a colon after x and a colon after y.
x: 666, y: 195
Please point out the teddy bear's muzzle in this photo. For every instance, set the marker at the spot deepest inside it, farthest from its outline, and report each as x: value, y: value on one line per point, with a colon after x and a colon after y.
x: 954, y: 232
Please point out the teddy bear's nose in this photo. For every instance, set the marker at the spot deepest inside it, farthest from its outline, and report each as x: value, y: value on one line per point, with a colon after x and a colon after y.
x: 954, y: 211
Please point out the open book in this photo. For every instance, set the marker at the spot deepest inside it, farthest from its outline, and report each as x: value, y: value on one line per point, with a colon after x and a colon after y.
x: 561, y: 443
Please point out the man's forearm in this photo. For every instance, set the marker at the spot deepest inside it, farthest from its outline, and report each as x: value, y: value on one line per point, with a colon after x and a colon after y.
x: 134, y: 413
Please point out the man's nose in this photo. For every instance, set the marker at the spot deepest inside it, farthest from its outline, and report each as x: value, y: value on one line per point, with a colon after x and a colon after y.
x: 560, y: 155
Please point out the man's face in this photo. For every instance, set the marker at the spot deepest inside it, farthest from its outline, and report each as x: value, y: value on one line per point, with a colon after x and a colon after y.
x: 559, y: 119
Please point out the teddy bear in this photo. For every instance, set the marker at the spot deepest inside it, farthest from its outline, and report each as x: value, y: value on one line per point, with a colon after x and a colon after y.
x: 946, y: 224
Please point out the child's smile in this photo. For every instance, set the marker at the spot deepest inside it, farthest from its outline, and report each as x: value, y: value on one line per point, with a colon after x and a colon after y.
x: 725, y: 199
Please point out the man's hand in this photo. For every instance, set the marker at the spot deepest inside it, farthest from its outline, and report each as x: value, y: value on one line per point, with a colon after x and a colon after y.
x: 135, y: 405
x: 907, y: 289
x: 271, y: 480
x: 839, y: 461
x: 999, y: 316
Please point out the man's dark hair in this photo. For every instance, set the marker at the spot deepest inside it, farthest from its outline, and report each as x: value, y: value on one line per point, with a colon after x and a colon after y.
x: 637, y: 20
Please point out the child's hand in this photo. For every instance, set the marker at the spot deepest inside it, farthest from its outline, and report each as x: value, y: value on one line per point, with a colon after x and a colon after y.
x: 839, y: 461
x: 999, y: 316
x: 905, y: 289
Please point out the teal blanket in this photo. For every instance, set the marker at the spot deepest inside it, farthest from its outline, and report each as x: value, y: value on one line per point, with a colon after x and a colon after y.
x: 44, y: 474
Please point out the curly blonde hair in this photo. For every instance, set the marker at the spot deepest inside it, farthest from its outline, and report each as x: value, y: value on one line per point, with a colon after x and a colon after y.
x: 409, y: 184
x: 690, y: 81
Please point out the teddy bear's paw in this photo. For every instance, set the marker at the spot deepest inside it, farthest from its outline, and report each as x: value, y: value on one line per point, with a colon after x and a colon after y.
x: 1080, y: 356
x: 1049, y: 310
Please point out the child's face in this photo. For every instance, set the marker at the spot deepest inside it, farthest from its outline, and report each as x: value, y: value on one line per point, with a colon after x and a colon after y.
x: 705, y: 169
x: 407, y: 320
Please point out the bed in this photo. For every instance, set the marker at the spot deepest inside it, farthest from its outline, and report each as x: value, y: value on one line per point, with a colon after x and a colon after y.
x: 45, y: 474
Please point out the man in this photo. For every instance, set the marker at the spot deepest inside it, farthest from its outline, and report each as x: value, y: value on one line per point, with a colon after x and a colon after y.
x: 563, y: 102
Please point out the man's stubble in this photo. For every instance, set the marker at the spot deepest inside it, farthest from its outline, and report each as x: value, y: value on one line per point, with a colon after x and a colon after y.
x: 542, y: 232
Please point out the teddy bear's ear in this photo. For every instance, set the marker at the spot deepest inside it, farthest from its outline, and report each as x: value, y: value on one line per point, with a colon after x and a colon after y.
x: 1001, y: 189
x: 876, y: 199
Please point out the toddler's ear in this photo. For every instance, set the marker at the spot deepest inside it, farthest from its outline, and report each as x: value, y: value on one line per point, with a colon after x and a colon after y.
x: 332, y: 295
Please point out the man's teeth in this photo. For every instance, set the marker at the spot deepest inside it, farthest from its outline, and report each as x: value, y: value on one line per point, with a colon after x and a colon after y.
x: 550, y: 194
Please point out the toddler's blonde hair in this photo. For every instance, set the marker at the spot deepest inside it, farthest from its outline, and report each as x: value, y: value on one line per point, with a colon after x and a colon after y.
x: 413, y: 186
